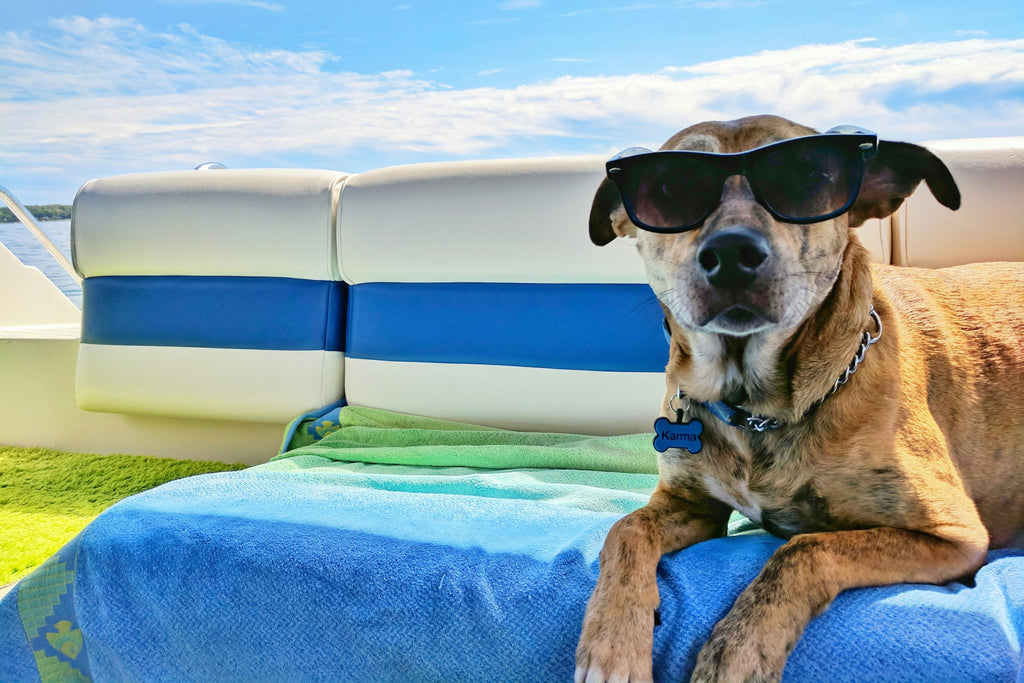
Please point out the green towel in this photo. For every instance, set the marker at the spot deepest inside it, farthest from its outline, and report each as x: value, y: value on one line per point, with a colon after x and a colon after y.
x: 369, y: 435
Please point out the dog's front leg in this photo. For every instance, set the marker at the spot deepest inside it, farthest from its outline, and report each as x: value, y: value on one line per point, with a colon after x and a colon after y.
x: 617, y: 636
x: 799, y: 581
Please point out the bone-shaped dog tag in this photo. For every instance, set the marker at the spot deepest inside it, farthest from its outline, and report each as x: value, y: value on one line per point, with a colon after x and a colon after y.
x: 678, y: 434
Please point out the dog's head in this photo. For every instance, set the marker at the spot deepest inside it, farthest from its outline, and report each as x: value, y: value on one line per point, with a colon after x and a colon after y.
x: 734, y: 245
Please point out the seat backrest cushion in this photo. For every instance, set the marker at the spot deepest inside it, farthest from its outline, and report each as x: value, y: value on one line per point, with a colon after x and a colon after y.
x: 211, y: 294
x: 476, y: 295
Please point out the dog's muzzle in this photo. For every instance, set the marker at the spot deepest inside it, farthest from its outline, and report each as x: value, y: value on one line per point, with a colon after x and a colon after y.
x: 731, y: 267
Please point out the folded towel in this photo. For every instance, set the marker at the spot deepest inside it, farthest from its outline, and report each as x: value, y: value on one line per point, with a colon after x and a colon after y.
x: 357, y: 434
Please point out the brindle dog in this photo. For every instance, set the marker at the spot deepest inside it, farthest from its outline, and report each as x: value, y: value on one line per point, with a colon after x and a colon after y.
x: 909, y: 472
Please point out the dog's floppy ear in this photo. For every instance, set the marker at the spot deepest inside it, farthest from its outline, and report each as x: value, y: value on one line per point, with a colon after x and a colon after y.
x: 894, y: 173
x: 608, y: 219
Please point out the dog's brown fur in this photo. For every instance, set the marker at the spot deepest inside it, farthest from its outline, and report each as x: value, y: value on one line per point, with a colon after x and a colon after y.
x: 908, y: 473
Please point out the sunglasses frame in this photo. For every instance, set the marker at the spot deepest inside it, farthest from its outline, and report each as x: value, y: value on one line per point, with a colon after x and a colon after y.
x: 728, y: 165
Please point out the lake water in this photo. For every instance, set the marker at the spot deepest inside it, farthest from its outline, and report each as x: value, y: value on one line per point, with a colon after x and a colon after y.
x: 26, y: 247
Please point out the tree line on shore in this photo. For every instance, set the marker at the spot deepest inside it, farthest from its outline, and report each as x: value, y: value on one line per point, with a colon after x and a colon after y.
x: 46, y: 212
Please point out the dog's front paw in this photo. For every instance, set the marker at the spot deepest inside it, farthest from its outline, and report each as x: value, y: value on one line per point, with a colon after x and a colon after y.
x: 615, y: 646
x: 738, y: 653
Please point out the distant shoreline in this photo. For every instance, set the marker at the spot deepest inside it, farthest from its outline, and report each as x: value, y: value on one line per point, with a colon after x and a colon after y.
x: 44, y: 212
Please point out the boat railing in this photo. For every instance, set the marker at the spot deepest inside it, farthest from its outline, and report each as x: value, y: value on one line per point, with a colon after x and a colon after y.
x: 26, y: 219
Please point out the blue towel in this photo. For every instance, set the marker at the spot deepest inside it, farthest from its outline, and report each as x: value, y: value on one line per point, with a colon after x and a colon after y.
x: 310, y: 568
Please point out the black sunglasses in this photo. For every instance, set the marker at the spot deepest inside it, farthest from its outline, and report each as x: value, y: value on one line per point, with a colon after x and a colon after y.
x: 802, y: 180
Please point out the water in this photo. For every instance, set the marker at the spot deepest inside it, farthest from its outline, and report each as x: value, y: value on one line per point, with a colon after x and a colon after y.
x: 27, y: 248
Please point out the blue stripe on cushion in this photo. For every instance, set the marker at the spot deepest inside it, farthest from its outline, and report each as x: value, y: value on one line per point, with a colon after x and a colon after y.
x: 614, y: 327
x: 265, y: 313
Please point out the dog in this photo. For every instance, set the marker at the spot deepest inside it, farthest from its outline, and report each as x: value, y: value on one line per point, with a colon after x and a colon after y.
x: 866, y: 413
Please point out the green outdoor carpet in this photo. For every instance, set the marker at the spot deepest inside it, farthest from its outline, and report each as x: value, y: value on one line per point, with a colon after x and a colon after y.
x: 46, y: 497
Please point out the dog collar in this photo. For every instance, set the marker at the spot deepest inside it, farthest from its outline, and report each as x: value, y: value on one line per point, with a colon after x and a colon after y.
x: 739, y: 417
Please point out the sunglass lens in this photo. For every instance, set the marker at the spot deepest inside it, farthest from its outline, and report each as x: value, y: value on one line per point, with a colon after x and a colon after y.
x: 670, y: 191
x: 808, y: 179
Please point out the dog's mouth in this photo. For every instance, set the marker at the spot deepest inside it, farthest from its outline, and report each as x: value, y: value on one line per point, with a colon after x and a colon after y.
x: 737, y: 320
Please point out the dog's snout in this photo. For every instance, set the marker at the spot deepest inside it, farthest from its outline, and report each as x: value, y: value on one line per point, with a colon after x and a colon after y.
x: 733, y: 257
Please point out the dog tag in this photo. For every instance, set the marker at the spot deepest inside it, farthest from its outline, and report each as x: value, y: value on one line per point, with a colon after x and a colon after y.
x: 678, y: 434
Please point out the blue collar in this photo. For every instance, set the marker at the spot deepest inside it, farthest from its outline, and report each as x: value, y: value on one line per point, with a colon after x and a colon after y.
x: 734, y: 416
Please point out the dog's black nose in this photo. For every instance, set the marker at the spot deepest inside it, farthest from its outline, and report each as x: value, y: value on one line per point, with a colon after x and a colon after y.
x: 732, y: 258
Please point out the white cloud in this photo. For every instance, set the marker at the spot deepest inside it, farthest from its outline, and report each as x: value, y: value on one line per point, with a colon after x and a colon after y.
x: 108, y: 96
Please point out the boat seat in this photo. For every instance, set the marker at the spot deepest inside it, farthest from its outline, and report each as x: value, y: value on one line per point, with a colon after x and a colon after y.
x: 210, y: 294
x: 476, y: 295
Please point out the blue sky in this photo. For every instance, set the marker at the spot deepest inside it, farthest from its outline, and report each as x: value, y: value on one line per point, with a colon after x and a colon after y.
x: 98, y: 88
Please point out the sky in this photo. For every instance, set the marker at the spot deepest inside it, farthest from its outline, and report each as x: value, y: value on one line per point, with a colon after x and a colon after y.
x: 92, y: 89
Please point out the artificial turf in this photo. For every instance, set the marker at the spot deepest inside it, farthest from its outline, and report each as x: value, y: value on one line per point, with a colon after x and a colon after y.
x: 46, y: 497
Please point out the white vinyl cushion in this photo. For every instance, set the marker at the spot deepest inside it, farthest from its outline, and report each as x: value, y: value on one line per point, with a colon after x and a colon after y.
x: 215, y: 384
x: 263, y: 222
x: 990, y: 223
x: 520, y: 398
x: 514, y: 220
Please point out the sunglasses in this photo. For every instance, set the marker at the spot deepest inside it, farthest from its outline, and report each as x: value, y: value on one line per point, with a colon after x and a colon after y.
x: 802, y: 180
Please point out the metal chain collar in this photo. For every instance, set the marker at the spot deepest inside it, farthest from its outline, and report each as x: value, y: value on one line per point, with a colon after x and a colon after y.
x: 756, y: 423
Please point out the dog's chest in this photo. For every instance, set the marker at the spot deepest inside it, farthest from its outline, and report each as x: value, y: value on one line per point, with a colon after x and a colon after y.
x: 736, y: 494
x: 782, y: 510
x: 777, y: 492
